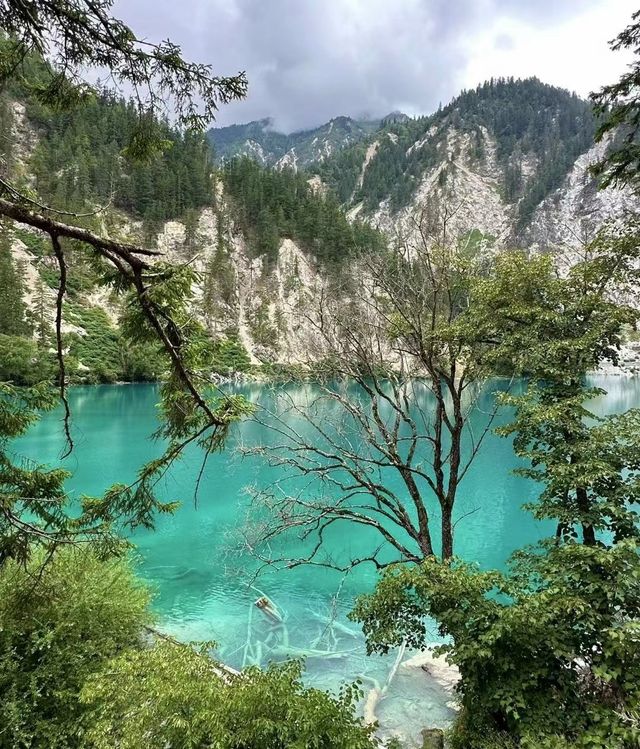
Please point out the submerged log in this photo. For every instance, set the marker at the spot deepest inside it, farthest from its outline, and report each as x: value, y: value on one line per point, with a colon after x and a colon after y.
x: 292, y: 652
x: 338, y: 626
x: 377, y: 694
x: 445, y: 674
x: 370, y: 704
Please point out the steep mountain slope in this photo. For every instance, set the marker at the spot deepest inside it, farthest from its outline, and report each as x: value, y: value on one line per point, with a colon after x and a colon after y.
x: 263, y: 241
x: 507, y: 163
x: 509, y: 158
x: 492, y: 157
x: 298, y: 150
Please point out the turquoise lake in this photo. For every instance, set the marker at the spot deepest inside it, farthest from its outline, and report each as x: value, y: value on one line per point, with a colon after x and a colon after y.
x: 201, y: 572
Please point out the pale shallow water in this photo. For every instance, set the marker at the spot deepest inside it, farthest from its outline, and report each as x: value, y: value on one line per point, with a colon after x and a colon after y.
x: 201, y: 574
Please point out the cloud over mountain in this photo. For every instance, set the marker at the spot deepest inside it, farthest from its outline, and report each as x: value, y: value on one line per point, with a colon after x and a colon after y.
x: 309, y: 60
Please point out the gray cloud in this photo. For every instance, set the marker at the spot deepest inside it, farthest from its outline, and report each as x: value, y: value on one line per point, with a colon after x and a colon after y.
x: 504, y: 41
x: 310, y: 60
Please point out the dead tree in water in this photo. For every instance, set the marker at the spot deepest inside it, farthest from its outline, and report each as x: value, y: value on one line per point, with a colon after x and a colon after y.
x: 385, y: 439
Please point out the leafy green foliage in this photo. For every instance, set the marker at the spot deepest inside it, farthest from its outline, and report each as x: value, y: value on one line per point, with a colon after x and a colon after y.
x: 103, y: 354
x: 23, y: 362
x: 73, y: 664
x: 548, y: 653
x: 27, y: 491
x: 59, y: 623
x: 552, y: 650
x: 271, y: 205
x: 183, y: 699
x: 7, y: 140
x: 229, y: 356
x: 590, y: 466
x: 555, y: 329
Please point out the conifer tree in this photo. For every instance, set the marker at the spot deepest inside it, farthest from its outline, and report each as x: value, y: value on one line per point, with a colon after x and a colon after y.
x: 12, y: 306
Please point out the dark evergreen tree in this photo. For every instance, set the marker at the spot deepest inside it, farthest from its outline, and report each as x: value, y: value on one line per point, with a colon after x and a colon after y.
x: 271, y: 205
x: 619, y: 104
x: 12, y: 307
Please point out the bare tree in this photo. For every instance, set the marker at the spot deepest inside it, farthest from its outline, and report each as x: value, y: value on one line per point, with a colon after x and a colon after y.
x: 403, y: 373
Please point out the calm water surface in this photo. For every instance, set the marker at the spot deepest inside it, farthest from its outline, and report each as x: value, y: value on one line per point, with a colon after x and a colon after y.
x: 201, y: 574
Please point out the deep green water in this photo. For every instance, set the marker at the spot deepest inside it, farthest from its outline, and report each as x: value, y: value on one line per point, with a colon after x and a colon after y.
x: 201, y: 572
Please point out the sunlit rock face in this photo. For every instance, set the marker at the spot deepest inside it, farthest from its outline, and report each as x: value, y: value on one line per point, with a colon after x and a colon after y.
x: 467, y: 194
x: 270, y: 307
x: 574, y: 212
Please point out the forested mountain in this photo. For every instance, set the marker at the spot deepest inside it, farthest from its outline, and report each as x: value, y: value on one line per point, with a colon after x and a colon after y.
x: 269, y: 205
x: 532, y: 132
x: 83, y: 157
x: 229, y: 223
x: 267, y: 146
x: 509, y: 160
x: 79, y: 158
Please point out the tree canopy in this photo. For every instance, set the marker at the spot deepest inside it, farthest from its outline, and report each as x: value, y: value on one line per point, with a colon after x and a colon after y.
x: 619, y: 105
x: 77, y: 35
x: 270, y: 205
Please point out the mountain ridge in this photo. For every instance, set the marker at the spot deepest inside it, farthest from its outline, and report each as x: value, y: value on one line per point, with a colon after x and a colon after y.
x: 298, y: 149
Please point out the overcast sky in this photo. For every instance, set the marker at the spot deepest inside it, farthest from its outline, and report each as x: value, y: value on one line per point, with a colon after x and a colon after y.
x: 310, y: 60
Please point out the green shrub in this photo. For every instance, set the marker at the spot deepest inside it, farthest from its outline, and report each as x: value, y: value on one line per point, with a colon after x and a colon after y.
x: 22, y: 362
x: 229, y: 355
x: 107, y: 355
x: 548, y: 656
x: 182, y: 701
x: 59, y: 624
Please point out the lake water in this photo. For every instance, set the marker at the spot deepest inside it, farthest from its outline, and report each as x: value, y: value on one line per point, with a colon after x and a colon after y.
x: 203, y: 577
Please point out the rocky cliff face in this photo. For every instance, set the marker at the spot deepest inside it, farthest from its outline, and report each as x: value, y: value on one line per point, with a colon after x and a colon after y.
x: 269, y: 307
x: 457, y: 195
x: 467, y: 194
x: 574, y: 212
x: 509, y: 159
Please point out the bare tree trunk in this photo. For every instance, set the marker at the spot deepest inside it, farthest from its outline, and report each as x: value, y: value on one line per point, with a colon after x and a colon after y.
x: 588, y: 531
x: 447, y: 534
